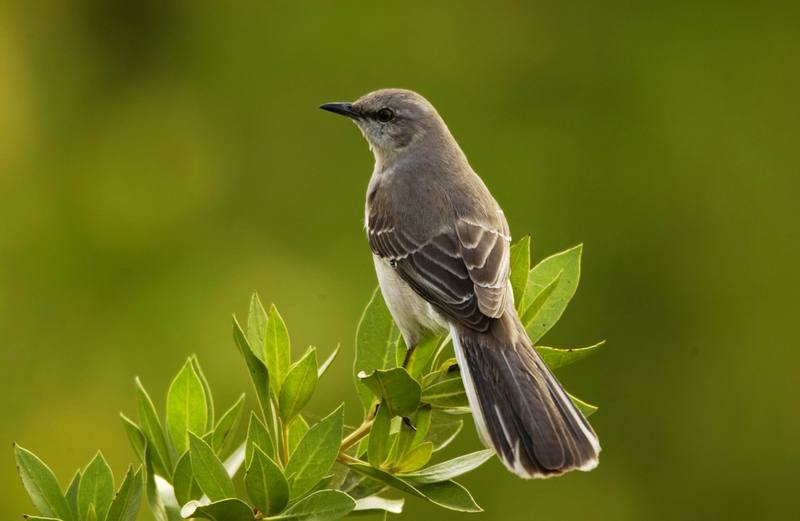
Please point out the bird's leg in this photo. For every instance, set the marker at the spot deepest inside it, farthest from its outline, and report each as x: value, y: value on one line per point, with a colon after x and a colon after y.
x: 409, y: 352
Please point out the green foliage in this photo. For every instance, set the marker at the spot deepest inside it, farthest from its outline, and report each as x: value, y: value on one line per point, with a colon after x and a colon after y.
x: 413, y: 407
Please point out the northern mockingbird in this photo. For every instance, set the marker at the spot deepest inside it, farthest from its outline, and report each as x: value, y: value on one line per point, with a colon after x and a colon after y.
x: 440, y: 243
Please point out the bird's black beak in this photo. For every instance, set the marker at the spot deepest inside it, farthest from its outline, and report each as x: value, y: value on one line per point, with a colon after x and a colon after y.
x: 345, y: 109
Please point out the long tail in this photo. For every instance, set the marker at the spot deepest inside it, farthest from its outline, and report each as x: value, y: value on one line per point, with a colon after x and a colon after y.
x: 519, y: 407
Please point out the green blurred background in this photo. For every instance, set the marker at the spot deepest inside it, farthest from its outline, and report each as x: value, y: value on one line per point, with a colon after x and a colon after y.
x: 159, y: 162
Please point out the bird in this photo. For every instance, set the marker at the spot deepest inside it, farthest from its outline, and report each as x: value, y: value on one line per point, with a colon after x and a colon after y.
x: 440, y: 245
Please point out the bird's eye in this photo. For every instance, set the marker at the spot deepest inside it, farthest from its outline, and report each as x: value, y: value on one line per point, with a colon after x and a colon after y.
x: 385, y: 115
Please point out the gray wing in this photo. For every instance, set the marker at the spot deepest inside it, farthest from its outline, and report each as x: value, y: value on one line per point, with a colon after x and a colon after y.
x: 462, y: 271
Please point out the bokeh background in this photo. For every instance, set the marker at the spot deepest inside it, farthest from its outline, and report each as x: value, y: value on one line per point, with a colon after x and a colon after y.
x: 161, y: 160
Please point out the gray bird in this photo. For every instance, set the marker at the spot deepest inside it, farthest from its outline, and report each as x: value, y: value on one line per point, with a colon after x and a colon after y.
x: 440, y: 244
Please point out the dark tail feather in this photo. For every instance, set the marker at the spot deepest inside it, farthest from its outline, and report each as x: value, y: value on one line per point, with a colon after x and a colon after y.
x: 519, y: 407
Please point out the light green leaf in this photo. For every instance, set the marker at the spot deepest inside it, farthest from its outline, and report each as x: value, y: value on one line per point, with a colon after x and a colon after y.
x: 299, y: 385
x: 400, y: 392
x: 323, y: 505
x: 538, y: 301
x: 422, y: 422
x: 258, y: 371
x: 257, y: 434
x: 450, y: 469
x: 378, y: 448
x: 446, y: 393
x: 447, y: 494
x: 186, y: 407
x: 157, y: 508
x: 315, y: 454
x: 96, y: 488
x: 206, y: 388
x: 298, y: 428
x: 91, y: 514
x: 256, y: 325
x: 376, y: 341
x: 328, y: 361
x: 586, y: 408
x: 415, y: 458
x: 71, y: 495
x: 557, y: 358
x: 151, y: 427
x: 125, y: 506
x: 568, y: 263
x: 183, y: 482
x: 369, y: 503
x: 225, y: 428
x: 223, y: 510
x: 208, y: 470
x: 41, y: 485
x: 266, y: 484
x: 277, y: 349
x: 520, y: 265
x: 421, y: 357
x: 443, y: 429
x: 135, y: 436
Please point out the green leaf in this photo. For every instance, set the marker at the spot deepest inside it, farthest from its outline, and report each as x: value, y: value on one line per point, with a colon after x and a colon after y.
x: 299, y: 385
x: 257, y: 434
x: 450, y: 469
x: 416, y: 458
x: 91, y: 514
x: 186, y: 407
x: 535, y: 305
x: 41, y: 485
x: 369, y: 503
x: 209, y: 471
x: 71, y: 495
x: 520, y: 265
x: 315, y: 454
x: 266, y: 484
x: 183, y: 481
x: 256, y: 325
x: 568, y: 263
x: 135, y: 436
x: 96, y: 488
x: 400, y: 392
x: 324, y: 505
x: 447, y: 494
x: 151, y: 427
x: 376, y: 340
x: 298, y: 428
x: 328, y: 361
x: 443, y: 429
x: 258, y: 371
x: 557, y: 358
x: 223, y: 510
x: 206, y: 388
x: 125, y: 505
x: 40, y: 518
x: 378, y: 448
x: 421, y: 356
x: 446, y: 393
x: 422, y: 422
x: 223, y: 432
x: 157, y: 508
x: 586, y: 408
x: 277, y: 349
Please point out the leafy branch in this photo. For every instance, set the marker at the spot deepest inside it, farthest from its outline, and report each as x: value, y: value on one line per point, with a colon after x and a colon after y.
x: 193, y: 464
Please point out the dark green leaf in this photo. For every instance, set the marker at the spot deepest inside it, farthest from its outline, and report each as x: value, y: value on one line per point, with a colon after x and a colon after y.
x: 151, y: 428
x: 378, y: 448
x: 266, y: 484
x: 223, y: 510
x: 450, y: 469
x: 135, y: 436
x: 41, y: 485
x: 223, y: 432
x: 96, y: 488
x: 258, y: 371
x: 422, y: 422
x: 71, y: 495
x: 277, y: 349
x: 315, y: 454
x: 376, y: 340
x: 256, y: 325
x: 328, y: 361
x: 324, y: 505
x: 568, y: 264
x: 586, y: 408
x: 257, y: 434
x: 125, y: 505
x: 186, y: 407
x: 400, y: 392
x: 520, y: 265
x: 443, y: 429
x: 157, y: 508
x: 206, y: 387
x: 299, y: 385
x: 415, y: 458
x: 208, y: 471
x: 183, y: 482
x: 557, y: 358
x: 446, y: 393
x: 298, y: 428
x: 421, y: 357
